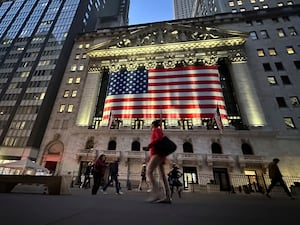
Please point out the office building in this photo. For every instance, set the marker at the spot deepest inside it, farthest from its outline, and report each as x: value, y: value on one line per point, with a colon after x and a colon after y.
x: 183, y: 8
x: 36, y: 38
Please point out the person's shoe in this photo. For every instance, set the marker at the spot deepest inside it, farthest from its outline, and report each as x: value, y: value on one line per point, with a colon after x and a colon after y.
x: 152, y: 199
x: 119, y: 193
x: 164, y: 200
x: 149, y: 190
x: 267, y: 194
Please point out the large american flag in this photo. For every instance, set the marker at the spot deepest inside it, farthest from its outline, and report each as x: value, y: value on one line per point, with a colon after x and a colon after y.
x: 177, y: 93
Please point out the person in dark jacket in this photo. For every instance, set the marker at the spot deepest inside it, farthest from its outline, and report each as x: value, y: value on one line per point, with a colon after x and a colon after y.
x: 87, y: 174
x: 98, y: 173
x: 113, y: 177
x: 276, y: 177
x: 173, y: 177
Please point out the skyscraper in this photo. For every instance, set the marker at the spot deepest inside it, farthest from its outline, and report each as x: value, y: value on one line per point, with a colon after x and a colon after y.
x: 36, y: 37
x: 183, y: 8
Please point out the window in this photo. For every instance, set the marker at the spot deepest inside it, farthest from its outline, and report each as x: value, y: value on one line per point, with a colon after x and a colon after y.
x: 286, y: 18
x: 81, y: 67
x: 264, y: 34
x: 70, y: 108
x: 290, y: 50
x: 255, y: 8
x: 259, y: 22
x: 188, y: 147
x: 62, y: 108
x: 253, y: 35
x: 290, y: 3
x: 279, y: 66
x: 73, y: 68
x: 216, y: 148
x: 247, y: 149
x: 74, y: 93
x: 280, y: 4
x: 280, y: 32
x: 249, y: 23
x: 135, y: 146
x: 77, y: 56
x: 272, y: 80
x: 231, y: 3
x: 80, y: 46
x: 77, y: 81
x: 84, y: 56
x: 87, y: 45
x: 289, y: 122
x: 260, y: 53
x: 294, y: 100
x: 281, y: 102
x: 272, y: 51
x: 70, y: 80
x: 285, y: 80
x: 267, y: 67
x: 297, y: 64
x: 112, y: 145
x: 66, y: 93
x: 292, y: 31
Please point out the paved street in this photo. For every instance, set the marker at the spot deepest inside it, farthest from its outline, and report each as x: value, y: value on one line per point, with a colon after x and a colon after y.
x: 194, y: 208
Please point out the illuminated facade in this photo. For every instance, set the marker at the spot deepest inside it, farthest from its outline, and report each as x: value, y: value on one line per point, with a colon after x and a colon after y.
x: 36, y: 38
x: 257, y: 129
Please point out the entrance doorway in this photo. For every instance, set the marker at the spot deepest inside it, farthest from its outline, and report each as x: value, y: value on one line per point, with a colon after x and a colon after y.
x: 51, y: 166
x: 254, y: 183
x: 190, y: 178
x: 221, y: 178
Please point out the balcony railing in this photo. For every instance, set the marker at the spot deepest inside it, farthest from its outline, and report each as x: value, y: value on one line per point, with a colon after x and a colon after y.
x: 251, y: 160
x: 219, y: 159
x: 191, y: 157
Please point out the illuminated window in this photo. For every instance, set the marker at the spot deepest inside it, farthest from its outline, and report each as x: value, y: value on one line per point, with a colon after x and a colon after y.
x: 239, y: 2
x: 231, y: 3
x: 294, y: 100
x: 272, y: 51
x: 62, y: 108
x: 289, y: 122
x: 66, y: 93
x: 256, y: 8
x: 81, y: 67
x: 77, y: 81
x: 25, y: 74
x: 265, y: 6
x: 73, y: 67
x: 280, y: 4
x: 253, y: 35
x: 281, y: 102
x: 70, y: 80
x: 77, y: 56
x: 242, y: 9
x: 234, y: 11
x: 70, y: 108
x: 74, y: 94
x: 272, y: 80
x: 42, y: 96
x: 290, y: 3
x: 280, y: 32
x: 261, y: 0
x: 84, y: 56
x: 290, y: 50
x: 80, y: 46
x: 253, y: 1
x: 260, y: 53
x: 87, y: 45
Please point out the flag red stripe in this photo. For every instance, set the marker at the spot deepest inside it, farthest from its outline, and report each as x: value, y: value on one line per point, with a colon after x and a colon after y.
x: 188, y: 90
x: 184, y: 83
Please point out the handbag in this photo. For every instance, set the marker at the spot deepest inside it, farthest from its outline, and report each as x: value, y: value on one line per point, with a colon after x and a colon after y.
x: 165, y: 146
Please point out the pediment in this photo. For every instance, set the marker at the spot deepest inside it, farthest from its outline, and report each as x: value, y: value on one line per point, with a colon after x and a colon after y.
x: 162, y: 34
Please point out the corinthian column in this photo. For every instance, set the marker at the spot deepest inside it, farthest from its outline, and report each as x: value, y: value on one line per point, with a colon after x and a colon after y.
x: 88, y: 102
x: 246, y: 95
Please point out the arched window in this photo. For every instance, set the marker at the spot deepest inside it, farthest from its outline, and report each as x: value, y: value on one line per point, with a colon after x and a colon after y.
x: 112, y: 145
x: 188, y: 147
x: 216, y: 148
x: 247, y: 149
x: 135, y: 146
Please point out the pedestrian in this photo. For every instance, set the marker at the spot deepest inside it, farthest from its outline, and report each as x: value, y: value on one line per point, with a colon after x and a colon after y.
x: 143, y: 177
x: 113, y: 177
x: 276, y: 177
x: 98, y: 173
x: 173, y: 177
x: 87, y: 175
x: 157, y: 161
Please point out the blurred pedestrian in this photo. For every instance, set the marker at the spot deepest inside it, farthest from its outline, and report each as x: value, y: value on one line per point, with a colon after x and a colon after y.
x: 173, y: 177
x: 87, y: 176
x: 113, y: 177
x: 157, y: 161
x: 276, y: 177
x: 98, y: 173
x: 143, y: 177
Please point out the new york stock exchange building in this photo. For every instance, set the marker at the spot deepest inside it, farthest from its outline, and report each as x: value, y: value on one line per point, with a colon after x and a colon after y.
x: 119, y: 80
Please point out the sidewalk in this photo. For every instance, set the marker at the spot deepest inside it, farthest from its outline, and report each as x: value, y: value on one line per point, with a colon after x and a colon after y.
x: 193, y: 208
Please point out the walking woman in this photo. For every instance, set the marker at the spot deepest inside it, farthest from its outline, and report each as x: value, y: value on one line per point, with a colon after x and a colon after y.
x: 98, y: 173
